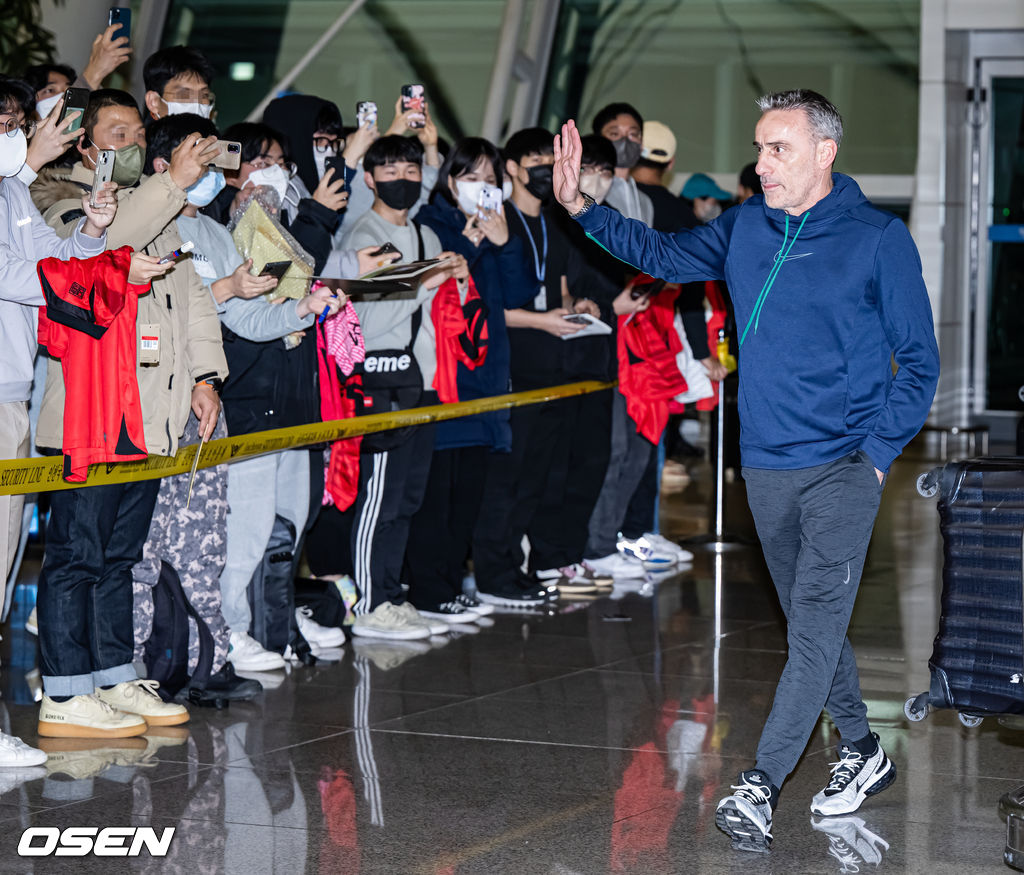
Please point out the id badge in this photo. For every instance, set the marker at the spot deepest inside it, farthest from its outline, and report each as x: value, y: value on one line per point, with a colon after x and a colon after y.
x: 540, y: 302
x: 149, y: 344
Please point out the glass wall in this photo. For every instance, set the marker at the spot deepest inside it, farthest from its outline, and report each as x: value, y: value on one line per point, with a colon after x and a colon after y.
x: 695, y: 65
x: 698, y: 65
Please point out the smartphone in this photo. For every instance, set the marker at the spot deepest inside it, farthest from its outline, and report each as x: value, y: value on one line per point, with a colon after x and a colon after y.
x: 366, y: 113
x: 489, y: 199
x: 275, y: 268
x: 337, y: 164
x: 229, y: 155
x: 75, y: 99
x: 413, y: 98
x: 104, y: 170
x: 121, y: 15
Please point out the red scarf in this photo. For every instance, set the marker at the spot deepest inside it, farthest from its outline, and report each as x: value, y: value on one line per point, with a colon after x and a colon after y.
x: 461, y: 333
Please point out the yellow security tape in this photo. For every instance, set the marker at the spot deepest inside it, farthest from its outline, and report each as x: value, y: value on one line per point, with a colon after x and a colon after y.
x: 19, y: 476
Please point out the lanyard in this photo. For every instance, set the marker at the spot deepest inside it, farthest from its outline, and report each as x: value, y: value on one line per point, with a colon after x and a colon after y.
x: 540, y: 260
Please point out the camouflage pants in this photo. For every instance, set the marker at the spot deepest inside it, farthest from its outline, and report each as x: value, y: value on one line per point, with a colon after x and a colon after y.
x: 192, y: 542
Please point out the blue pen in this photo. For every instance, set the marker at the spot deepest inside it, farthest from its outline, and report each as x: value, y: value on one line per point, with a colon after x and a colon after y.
x: 323, y: 315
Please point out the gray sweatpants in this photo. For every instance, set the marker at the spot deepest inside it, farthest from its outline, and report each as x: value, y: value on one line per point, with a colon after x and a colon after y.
x: 814, y: 525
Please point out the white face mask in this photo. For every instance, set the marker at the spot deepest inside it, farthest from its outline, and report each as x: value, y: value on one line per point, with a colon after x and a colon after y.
x: 273, y: 176
x: 595, y: 185
x: 12, y: 153
x: 45, y: 106
x: 203, y: 109
x: 468, y: 194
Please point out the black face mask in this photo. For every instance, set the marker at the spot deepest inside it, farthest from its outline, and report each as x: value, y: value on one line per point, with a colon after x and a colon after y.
x: 539, y: 184
x: 399, y: 194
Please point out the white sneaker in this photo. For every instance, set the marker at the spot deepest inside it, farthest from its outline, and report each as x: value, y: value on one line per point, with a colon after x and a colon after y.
x: 140, y: 697
x: 450, y: 613
x: 617, y: 566
x: 388, y: 620
x: 247, y: 654
x: 642, y: 551
x: 14, y: 753
x: 314, y: 633
x: 32, y: 623
x: 664, y: 545
x: 86, y: 717
x: 436, y: 626
x: 854, y: 778
x: 746, y: 815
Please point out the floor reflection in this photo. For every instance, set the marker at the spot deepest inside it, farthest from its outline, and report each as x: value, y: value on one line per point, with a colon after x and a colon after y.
x: 597, y: 738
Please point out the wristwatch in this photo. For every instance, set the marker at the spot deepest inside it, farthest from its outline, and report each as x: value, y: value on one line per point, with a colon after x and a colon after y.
x: 213, y: 381
x: 588, y: 204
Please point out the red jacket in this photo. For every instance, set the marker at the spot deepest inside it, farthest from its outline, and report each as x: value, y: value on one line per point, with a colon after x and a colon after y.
x: 89, y: 324
x: 648, y: 374
x: 461, y: 333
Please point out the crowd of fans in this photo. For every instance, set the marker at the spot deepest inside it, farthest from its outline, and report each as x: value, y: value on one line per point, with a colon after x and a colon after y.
x: 401, y: 534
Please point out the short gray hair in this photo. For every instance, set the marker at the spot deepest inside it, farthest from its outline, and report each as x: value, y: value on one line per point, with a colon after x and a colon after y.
x: 825, y: 121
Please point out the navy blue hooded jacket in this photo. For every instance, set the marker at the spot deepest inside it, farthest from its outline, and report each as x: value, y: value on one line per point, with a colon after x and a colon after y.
x: 815, y: 376
x: 503, y: 283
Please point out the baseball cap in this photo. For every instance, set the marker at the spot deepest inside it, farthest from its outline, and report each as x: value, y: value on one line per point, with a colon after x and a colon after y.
x: 659, y: 143
x: 702, y: 185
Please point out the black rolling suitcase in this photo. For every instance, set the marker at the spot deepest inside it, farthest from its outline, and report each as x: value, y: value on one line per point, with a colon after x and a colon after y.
x: 977, y: 663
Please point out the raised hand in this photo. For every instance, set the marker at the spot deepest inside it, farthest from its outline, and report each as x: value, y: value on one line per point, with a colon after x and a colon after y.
x: 566, y: 170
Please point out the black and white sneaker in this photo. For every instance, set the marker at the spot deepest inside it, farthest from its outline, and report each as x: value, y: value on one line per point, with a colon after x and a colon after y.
x: 851, y: 842
x: 854, y: 778
x: 450, y: 612
x: 746, y: 815
x: 513, y: 596
x: 474, y: 604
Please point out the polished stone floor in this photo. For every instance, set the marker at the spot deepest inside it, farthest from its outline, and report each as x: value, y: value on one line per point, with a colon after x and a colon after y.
x: 595, y: 739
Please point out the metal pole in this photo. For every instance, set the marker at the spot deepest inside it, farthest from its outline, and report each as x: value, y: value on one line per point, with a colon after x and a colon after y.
x: 306, y: 59
x: 720, y: 467
x: 501, y: 73
x: 539, y: 40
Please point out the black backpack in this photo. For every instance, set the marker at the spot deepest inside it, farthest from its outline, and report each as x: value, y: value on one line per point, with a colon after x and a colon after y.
x: 166, y: 650
x: 272, y: 595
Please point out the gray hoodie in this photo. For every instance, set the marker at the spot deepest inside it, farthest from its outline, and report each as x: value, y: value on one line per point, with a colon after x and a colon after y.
x: 25, y: 239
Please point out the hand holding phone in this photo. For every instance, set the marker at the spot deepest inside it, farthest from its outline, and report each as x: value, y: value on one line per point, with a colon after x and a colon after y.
x: 104, y: 171
x: 276, y: 269
x: 229, y: 155
x: 75, y: 100
x: 121, y: 16
x: 366, y: 113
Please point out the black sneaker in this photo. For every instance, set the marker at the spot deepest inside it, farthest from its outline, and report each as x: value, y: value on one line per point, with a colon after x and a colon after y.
x: 746, y: 815
x: 221, y: 687
x: 474, y: 604
x: 854, y: 778
x: 513, y: 596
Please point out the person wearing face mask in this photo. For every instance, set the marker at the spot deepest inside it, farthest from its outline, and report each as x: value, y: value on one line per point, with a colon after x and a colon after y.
x: 706, y: 196
x: 393, y: 472
x: 177, y: 80
x: 26, y: 239
x: 623, y: 126
x: 441, y: 532
x: 200, y: 561
x: 311, y: 219
x: 183, y: 383
x: 514, y: 482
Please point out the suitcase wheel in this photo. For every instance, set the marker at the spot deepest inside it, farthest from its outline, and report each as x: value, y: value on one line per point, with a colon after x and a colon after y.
x: 970, y: 720
x: 916, y: 708
x: 928, y: 483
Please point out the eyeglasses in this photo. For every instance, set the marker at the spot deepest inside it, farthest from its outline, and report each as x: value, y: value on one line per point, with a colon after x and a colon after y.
x: 325, y: 144
x: 11, y: 127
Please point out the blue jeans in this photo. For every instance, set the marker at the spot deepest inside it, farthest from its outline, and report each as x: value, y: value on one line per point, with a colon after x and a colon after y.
x: 94, y: 537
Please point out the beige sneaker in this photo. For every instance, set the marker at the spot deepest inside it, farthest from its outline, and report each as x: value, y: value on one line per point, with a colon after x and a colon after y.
x: 86, y: 717
x: 141, y: 697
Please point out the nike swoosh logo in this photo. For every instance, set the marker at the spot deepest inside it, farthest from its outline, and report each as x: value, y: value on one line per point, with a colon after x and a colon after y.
x: 847, y: 573
x: 799, y: 255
